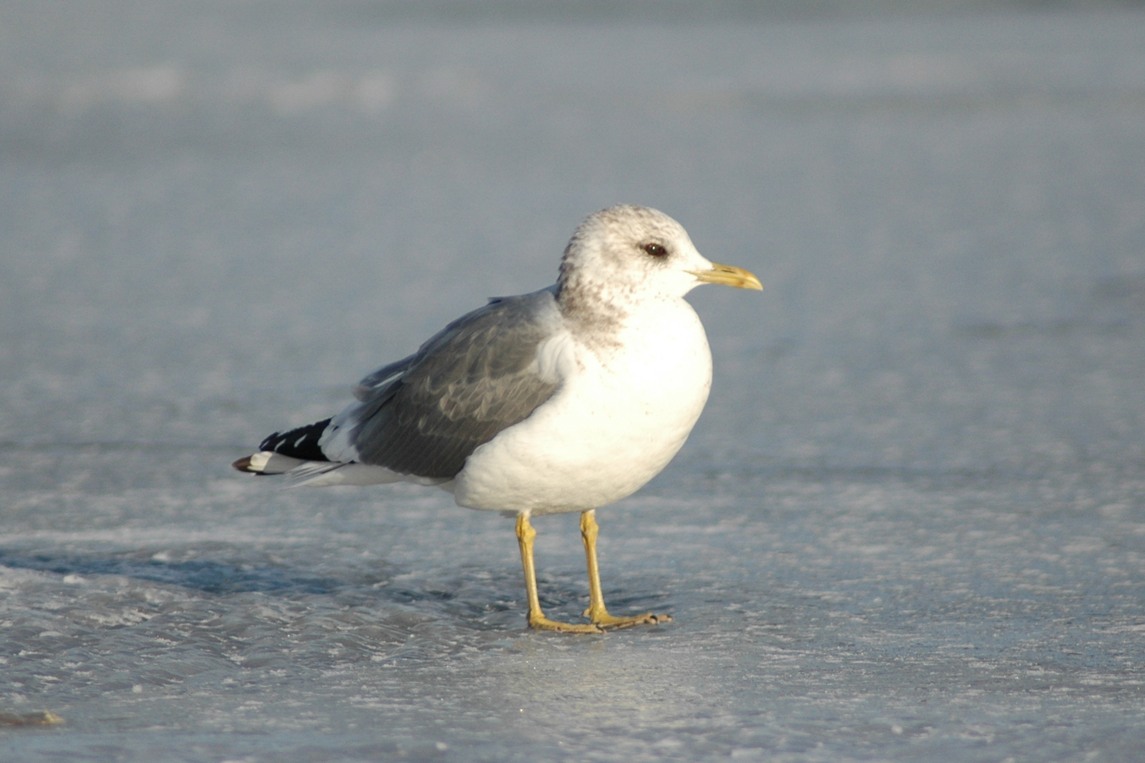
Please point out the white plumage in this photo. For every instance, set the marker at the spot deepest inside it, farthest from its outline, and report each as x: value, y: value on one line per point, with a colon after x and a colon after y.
x: 565, y: 399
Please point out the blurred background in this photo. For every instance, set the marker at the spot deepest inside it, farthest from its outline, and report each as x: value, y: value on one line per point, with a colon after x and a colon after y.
x: 911, y: 523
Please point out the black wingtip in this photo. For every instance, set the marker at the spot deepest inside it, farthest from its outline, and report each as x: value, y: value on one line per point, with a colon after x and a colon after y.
x: 300, y: 443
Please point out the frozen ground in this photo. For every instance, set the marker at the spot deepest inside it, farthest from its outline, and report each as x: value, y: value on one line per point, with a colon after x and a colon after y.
x: 910, y: 526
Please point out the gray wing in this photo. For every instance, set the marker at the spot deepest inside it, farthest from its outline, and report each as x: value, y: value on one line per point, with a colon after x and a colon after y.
x: 425, y: 414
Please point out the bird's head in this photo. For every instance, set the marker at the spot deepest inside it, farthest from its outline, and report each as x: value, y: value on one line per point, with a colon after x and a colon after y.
x: 627, y: 254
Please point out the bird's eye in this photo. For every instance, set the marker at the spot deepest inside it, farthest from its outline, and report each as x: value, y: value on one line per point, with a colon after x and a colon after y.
x: 655, y: 250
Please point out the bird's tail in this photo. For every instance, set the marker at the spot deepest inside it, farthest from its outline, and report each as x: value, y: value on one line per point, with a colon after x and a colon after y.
x: 284, y: 452
x: 297, y: 454
x: 267, y: 462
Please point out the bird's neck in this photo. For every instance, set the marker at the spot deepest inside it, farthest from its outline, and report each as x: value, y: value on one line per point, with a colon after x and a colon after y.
x: 589, y: 307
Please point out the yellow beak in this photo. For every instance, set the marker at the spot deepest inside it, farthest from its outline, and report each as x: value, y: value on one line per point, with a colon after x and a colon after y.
x: 728, y: 275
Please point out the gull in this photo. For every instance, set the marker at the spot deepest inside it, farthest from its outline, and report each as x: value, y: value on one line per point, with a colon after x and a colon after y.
x: 564, y: 399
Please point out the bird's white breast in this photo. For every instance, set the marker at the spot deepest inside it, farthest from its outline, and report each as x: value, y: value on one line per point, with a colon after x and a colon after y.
x: 623, y: 410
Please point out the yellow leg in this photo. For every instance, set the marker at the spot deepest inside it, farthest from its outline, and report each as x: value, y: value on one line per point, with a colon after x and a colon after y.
x: 596, y: 611
x: 525, y: 536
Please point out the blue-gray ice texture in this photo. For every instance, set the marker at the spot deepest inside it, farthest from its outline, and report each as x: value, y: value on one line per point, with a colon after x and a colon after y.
x: 910, y: 525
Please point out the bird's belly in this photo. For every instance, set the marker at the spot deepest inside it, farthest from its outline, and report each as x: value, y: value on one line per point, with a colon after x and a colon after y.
x: 611, y: 428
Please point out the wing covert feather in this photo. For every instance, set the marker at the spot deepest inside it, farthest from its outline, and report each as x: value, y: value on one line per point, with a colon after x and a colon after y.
x: 425, y: 414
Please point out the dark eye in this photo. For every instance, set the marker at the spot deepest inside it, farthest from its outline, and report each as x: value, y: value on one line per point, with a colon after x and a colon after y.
x: 655, y: 250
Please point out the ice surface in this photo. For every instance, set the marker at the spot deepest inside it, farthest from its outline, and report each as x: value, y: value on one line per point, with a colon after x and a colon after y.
x: 910, y: 526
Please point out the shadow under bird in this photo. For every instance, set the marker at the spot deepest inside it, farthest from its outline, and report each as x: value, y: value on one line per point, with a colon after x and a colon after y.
x: 565, y: 399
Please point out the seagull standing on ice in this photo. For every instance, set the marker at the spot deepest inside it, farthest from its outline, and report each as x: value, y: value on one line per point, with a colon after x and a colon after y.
x: 565, y: 399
